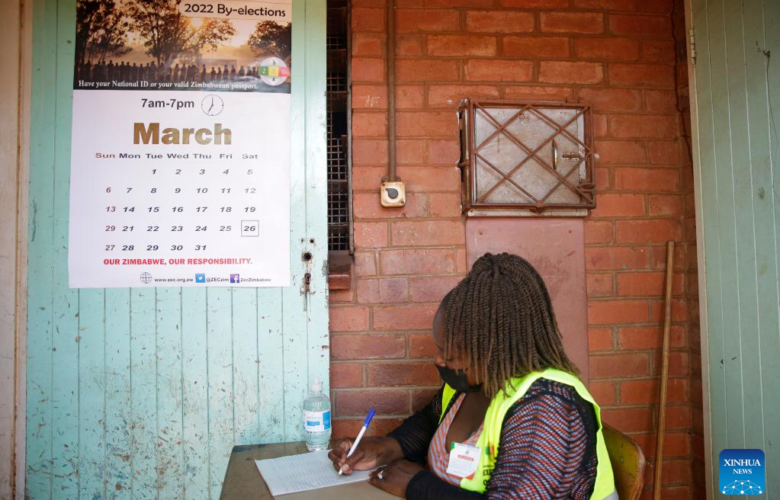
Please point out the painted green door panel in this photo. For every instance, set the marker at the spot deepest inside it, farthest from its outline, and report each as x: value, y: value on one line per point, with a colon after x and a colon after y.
x: 737, y: 88
x: 142, y: 393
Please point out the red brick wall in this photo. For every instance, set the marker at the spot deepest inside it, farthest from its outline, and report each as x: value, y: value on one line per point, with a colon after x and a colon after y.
x: 618, y: 55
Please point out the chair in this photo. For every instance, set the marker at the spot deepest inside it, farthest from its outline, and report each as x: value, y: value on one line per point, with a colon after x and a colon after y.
x: 628, y: 463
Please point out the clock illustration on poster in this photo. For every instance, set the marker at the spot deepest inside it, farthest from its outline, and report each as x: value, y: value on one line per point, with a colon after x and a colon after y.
x: 212, y: 105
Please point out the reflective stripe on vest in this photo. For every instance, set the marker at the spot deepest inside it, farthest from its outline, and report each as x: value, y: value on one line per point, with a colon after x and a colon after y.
x: 489, y: 440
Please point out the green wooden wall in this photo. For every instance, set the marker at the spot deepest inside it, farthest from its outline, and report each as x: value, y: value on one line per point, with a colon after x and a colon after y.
x: 737, y: 107
x: 141, y: 393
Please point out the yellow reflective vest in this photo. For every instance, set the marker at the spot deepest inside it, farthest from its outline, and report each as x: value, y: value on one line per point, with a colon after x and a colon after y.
x: 490, y: 439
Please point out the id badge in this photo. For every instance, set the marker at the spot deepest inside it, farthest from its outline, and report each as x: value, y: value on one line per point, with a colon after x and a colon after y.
x: 464, y: 460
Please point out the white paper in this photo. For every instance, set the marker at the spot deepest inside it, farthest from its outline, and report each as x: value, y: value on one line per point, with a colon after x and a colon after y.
x: 308, y: 471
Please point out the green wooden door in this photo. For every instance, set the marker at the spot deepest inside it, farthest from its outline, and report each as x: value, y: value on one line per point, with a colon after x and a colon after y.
x: 737, y: 108
x: 141, y: 393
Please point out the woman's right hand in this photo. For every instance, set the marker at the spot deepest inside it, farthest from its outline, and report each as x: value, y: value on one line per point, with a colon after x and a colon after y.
x: 371, y: 452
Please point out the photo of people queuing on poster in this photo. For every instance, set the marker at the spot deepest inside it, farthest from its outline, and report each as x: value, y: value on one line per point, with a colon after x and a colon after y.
x: 171, y: 45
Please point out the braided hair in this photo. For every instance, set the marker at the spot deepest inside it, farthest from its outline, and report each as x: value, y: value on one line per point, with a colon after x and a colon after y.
x: 500, y: 318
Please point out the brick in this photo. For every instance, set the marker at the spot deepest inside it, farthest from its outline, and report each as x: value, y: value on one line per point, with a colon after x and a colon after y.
x: 369, y: 124
x: 529, y: 92
x: 647, y: 231
x: 675, y: 471
x: 661, y: 101
x: 370, y: 234
x: 426, y: 124
x: 607, y: 49
x: 600, y: 339
x: 535, y: 4
x: 606, y: 312
x: 622, y: 24
x: 428, y: 233
x: 570, y: 72
x: 430, y: 179
x: 676, y: 444
x: 664, y: 152
x: 418, y: 262
x: 426, y: 70
x: 680, y: 310
x: 444, y: 204
x: 401, y: 374
x: 499, y: 21
x: 382, y: 291
x: 599, y: 125
x: 369, y: 151
x: 384, y: 401
x: 346, y: 375
x: 409, y: 317
x: 366, y: 69
x: 671, y: 205
x: 367, y: 178
x: 619, y: 365
x: 341, y: 296
x: 629, y: 419
x: 422, y: 397
x: 408, y: 46
x: 643, y: 126
x: 367, y: 44
x: 481, y: 70
x: 642, y: 75
x: 369, y: 97
x: 679, y: 364
x: 365, y: 265
x: 432, y: 288
x: 461, y: 45
x: 474, y: 4
x: 615, y: 258
x: 598, y: 231
x: 350, y: 428
x: 367, y: 346
x: 348, y: 319
x: 442, y: 152
x: 409, y: 96
x: 426, y: 20
x: 572, y: 22
x: 637, y: 392
x: 660, y: 51
x: 599, y: 285
x: 368, y: 19
x: 421, y: 345
x: 409, y: 152
x: 368, y: 206
x: 647, y: 179
x: 463, y: 266
x: 612, y: 99
x: 606, y: 4
x: 678, y: 417
x: 648, y: 284
x: 603, y: 182
x: 534, y: 46
x: 620, y: 153
x: 657, y: 6
x: 449, y: 96
x: 604, y: 393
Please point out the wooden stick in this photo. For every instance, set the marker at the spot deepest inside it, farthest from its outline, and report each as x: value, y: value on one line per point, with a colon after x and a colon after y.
x: 659, y: 449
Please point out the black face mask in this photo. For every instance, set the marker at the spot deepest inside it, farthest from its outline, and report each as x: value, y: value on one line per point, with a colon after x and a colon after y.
x: 457, y: 379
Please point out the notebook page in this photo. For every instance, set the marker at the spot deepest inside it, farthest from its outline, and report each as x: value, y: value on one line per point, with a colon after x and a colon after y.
x: 304, y: 472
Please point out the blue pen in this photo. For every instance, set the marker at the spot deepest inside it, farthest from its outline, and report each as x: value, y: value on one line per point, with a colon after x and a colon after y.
x: 360, y: 435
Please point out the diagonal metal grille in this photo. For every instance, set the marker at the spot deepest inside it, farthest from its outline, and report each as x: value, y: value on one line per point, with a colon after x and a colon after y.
x: 529, y: 155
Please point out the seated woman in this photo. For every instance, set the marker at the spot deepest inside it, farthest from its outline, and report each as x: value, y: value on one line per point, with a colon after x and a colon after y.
x: 512, y: 420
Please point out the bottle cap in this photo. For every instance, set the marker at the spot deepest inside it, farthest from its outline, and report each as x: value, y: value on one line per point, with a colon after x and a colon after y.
x: 316, y: 386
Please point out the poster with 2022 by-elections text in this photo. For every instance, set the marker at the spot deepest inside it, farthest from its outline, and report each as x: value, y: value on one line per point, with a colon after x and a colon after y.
x: 180, y: 161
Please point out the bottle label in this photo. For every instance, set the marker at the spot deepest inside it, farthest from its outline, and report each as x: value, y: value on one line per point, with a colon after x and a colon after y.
x: 316, y: 421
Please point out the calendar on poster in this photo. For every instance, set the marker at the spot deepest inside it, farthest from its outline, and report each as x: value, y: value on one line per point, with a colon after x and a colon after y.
x: 180, y: 159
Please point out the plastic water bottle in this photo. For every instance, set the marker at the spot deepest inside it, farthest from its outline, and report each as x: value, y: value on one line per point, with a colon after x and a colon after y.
x: 316, y: 418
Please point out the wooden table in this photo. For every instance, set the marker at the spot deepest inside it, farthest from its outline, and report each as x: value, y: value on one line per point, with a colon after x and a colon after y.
x: 244, y: 482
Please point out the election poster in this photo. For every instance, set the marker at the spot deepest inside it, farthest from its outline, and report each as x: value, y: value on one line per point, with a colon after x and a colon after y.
x: 180, y: 159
